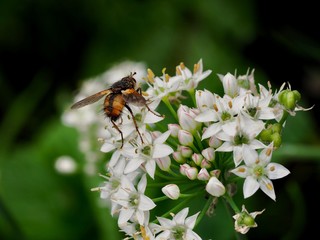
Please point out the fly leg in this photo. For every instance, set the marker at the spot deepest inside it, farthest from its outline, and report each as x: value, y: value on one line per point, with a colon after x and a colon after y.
x: 116, y: 127
x: 146, y: 105
x: 134, y: 121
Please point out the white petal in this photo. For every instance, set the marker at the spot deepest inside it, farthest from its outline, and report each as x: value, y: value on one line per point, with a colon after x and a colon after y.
x: 250, y: 186
x: 145, y: 203
x: 152, y: 118
x: 150, y: 167
x: 107, y: 147
x: 241, y: 171
x: 237, y: 155
x: 266, y: 154
x: 142, y: 184
x: 250, y: 155
x: 125, y: 215
x: 132, y: 165
x: 267, y: 187
x: 191, y: 235
x: 161, y: 150
x: 231, y: 128
x: 162, y: 138
x: 276, y: 170
x: 256, y: 144
x: 225, y: 147
x: 207, y: 116
x: 166, y: 223
x: 180, y: 217
x: 211, y: 130
x: 140, y: 217
x: 191, y: 221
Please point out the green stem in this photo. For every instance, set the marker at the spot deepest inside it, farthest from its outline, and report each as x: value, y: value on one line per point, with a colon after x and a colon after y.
x: 159, y: 199
x: 198, y: 140
x: 171, y: 109
x: 232, y: 204
x: 204, y: 210
x: 284, y: 117
x: 191, y: 93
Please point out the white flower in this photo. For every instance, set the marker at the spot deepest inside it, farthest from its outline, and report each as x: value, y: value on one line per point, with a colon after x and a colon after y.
x: 191, y: 80
x: 258, y: 107
x: 180, y: 227
x: 160, y: 87
x: 137, y: 231
x: 134, y: 203
x: 186, y: 117
x: 223, y: 111
x: 258, y: 172
x: 230, y: 84
x: 147, y: 154
x: 239, y: 135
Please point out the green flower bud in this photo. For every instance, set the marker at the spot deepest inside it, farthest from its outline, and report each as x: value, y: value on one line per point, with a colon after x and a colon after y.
x: 276, y: 128
x: 289, y: 98
x: 276, y: 138
x: 265, y: 135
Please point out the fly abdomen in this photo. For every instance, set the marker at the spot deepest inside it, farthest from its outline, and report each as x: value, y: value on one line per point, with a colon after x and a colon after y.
x: 113, y: 106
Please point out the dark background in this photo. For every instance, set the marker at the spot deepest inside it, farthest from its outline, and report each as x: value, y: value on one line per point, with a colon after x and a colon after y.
x: 47, y: 48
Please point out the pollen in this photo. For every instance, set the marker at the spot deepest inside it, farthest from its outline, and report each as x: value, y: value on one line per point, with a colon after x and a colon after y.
x: 230, y: 104
x: 150, y: 76
x: 272, y: 168
x: 182, y: 66
x: 269, y: 151
x: 269, y: 186
x: 215, y: 107
x: 241, y: 169
x: 178, y: 72
x: 167, y: 77
x: 196, y: 67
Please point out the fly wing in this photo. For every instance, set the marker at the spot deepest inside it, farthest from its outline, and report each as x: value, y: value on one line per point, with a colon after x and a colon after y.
x: 91, y: 99
x: 132, y: 96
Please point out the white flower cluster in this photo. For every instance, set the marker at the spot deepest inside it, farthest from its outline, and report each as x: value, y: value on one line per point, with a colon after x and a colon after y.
x: 235, y: 132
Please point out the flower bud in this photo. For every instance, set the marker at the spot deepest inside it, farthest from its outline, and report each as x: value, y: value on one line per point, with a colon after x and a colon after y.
x: 186, y: 152
x: 215, y: 187
x: 215, y: 173
x: 164, y: 163
x: 205, y: 164
x: 186, y: 118
x: 203, y: 175
x: 204, y: 99
x: 214, y: 142
x: 289, y: 98
x: 276, y: 138
x: 174, y: 128
x: 183, y: 168
x: 197, y: 158
x: 178, y: 157
x: 185, y: 138
x: 172, y: 191
x: 230, y: 84
x: 208, y: 154
x: 191, y: 173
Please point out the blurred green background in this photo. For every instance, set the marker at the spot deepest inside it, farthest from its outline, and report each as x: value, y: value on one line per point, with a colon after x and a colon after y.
x: 47, y: 48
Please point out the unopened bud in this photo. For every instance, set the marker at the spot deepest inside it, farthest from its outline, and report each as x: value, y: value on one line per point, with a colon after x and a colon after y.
x: 172, y: 191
